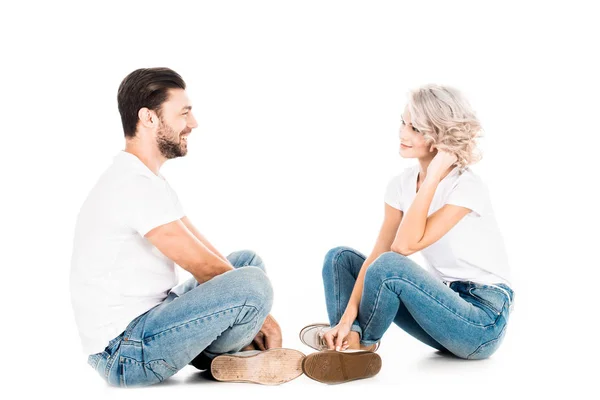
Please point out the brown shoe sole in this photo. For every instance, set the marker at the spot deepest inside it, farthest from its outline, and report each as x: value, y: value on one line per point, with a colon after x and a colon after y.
x: 339, y: 367
x: 270, y: 367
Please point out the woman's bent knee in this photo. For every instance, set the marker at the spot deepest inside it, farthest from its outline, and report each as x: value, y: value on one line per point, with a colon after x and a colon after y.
x: 332, y: 257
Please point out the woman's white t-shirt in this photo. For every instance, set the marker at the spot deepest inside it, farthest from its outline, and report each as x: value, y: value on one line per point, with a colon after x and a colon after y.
x: 473, y: 250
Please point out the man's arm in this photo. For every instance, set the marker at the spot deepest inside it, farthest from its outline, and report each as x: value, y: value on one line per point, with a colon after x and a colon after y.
x: 186, y: 246
x: 179, y: 244
x: 186, y: 221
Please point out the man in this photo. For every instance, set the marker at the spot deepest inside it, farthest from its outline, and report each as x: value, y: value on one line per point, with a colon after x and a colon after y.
x: 137, y: 326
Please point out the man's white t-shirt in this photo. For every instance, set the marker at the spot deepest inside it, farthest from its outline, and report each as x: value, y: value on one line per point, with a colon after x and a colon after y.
x: 116, y: 273
x: 474, y: 248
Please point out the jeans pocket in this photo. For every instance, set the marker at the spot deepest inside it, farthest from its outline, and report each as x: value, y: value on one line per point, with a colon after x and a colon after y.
x: 135, y: 373
x: 490, y: 298
x: 488, y: 348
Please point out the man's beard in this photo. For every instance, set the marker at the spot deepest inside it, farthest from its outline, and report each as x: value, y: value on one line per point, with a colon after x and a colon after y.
x: 169, y: 142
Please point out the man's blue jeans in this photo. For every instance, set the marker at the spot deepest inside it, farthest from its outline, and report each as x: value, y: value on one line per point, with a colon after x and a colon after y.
x: 219, y: 316
x: 465, y: 318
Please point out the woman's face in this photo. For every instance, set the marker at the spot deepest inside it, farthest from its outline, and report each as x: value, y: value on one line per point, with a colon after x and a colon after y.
x: 412, y: 142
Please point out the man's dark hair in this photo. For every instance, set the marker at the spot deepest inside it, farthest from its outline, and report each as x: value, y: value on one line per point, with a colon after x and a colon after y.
x: 145, y: 87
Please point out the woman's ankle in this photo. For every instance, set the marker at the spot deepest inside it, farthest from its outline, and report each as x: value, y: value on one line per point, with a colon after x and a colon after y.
x: 354, y: 341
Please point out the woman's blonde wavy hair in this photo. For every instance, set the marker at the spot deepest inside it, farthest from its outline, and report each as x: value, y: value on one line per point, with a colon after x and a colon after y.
x: 445, y: 118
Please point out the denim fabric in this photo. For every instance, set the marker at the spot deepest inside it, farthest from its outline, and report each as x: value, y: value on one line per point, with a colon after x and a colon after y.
x: 219, y: 316
x: 464, y: 318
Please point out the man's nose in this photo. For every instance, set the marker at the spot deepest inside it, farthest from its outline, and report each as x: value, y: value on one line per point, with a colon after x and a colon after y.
x: 192, y: 123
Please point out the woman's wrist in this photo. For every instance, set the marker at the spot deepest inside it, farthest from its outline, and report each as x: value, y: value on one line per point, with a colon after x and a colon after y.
x: 348, y: 317
x: 432, y: 179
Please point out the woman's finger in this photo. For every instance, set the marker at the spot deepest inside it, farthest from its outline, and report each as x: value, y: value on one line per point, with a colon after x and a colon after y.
x: 329, y: 340
x: 338, y: 342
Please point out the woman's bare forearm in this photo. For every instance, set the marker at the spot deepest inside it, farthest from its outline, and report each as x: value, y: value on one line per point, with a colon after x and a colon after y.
x: 351, y: 311
x: 383, y: 244
x: 412, y: 227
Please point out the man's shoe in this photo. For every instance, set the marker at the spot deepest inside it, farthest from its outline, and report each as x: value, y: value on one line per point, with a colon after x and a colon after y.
x: 339, y: 367
x: 312, y: 336
x: 269, y: 367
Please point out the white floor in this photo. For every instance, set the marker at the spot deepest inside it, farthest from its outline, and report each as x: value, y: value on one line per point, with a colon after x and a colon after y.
x: 299, y: 105
x: 520, y: 367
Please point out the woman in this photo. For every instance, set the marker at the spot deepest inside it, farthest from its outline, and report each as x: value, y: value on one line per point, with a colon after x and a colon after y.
x: 462, y: 302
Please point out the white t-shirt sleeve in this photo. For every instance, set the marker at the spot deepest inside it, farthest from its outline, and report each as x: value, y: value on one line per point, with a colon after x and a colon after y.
x: 471, y: 193
x: 152, y: 203
x: 393, y: 193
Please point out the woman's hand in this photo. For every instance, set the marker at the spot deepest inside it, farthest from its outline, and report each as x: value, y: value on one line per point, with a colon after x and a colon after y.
x: 440, y: 163
x: 337, y: 337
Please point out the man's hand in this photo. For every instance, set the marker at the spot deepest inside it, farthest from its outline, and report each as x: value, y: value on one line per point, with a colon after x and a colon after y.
x: 269, y: 336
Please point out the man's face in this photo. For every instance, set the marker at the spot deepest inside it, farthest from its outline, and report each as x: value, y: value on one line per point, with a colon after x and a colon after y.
x: 175, y: 124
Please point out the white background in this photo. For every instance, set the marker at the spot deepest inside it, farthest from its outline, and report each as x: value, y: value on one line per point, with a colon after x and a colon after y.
x: 298, y: 105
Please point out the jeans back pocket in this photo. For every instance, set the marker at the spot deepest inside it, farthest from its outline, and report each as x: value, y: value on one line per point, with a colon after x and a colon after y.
x: 135, y: 373
x: 488, y: 296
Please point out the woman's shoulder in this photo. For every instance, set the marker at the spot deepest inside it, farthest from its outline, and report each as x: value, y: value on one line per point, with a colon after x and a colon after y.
x: 469, y: 178
x: 404, y: 176
x: 468, y: 174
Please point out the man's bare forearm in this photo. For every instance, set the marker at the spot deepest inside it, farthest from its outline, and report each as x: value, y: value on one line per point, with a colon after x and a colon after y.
x: 186, y: 221
x: 211, y: 266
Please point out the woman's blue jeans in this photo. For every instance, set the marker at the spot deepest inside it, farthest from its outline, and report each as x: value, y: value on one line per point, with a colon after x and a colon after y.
x: 195, y: 321
x: 464, y: 318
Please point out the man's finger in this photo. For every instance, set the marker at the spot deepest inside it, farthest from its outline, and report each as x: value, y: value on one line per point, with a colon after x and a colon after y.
x: 259, y: 340
x: 272, y: 342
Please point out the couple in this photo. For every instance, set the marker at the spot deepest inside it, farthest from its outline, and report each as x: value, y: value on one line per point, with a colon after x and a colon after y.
x: 139, y: 327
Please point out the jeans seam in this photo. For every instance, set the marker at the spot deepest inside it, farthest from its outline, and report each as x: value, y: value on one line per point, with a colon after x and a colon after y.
x: 424, y: 292
x: 110, y: 362
x: 130, y: 329
x: 335, y: 262
x: 336, y: 278
x: 489, y: 341
x: 150, y: 338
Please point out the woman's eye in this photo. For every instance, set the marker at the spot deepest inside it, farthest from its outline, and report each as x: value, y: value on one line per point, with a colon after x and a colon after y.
x: 402, y: 121
x: 416, y: 130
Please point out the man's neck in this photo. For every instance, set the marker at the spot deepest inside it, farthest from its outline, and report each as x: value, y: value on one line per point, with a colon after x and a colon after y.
x: 149, y: 156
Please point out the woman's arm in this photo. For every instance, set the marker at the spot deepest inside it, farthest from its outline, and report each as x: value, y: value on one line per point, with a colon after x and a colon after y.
x: 418, y: 231
x: 384, y: 241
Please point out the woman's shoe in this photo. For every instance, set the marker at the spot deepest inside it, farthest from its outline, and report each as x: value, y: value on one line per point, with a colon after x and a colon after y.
x: 312, y: 336
x: 269, y: 367
x: 339, y: 367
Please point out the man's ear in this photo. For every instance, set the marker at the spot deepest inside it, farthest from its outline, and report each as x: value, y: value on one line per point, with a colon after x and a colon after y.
x: 148, y: 118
